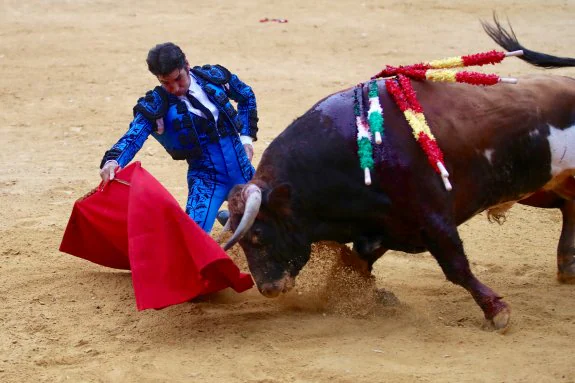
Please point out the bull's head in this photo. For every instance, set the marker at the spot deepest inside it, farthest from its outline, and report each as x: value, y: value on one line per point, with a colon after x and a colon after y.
x: 275, y: 246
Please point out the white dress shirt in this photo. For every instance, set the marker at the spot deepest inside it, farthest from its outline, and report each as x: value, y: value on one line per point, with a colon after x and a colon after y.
x: 197, y: 91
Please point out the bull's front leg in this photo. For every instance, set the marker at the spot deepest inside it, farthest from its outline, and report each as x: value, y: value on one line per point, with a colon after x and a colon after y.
x: 566, y: 247
x: 360, y: 260
x: 368, y: 250
x: 445, y: 245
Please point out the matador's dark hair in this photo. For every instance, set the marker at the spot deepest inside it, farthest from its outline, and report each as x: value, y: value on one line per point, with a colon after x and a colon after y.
x: 164, y: 58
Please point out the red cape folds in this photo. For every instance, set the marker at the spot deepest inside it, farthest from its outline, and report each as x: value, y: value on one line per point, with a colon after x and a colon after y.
x: 136, y: 224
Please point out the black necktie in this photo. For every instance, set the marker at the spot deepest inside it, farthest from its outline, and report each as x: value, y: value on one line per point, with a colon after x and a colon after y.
x: 199, y: 106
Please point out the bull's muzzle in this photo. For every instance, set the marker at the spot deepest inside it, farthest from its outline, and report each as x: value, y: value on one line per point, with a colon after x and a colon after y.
x: 273, y: 289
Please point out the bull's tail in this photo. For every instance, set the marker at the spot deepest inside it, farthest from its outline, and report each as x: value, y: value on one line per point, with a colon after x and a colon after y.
x: 508, y: 41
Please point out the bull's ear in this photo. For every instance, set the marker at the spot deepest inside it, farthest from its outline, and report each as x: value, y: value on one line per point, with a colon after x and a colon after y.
x: 279, y: 199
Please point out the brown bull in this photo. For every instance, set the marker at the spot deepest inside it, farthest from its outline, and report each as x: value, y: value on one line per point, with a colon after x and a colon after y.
x: 502, y: 144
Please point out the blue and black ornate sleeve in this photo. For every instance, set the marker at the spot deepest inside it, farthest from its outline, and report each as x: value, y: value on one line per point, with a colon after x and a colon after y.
x: 148, y: 109
x: 247, y: 106
x: 130, y: 143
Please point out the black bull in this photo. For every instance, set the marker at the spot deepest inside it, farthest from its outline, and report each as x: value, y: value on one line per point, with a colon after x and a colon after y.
x: 502, y: 144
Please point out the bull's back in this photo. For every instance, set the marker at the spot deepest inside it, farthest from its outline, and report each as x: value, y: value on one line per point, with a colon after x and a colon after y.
x: 495, y: 140
x: 498, y: 140
x: 499, y: 111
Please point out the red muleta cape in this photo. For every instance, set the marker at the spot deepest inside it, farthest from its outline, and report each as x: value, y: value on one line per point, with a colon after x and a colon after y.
x: 134, y: 223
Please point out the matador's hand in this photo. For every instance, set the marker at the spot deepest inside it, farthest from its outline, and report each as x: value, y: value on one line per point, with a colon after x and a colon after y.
x: 108, y: 171
x: 249, y: 151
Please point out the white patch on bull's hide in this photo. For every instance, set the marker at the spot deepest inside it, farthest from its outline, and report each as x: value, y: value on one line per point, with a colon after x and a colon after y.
x: 562, y: 146
x: 488, y: 153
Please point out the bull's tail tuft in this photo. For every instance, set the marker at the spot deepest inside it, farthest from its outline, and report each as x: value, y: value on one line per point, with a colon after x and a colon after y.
x: 508, y: 41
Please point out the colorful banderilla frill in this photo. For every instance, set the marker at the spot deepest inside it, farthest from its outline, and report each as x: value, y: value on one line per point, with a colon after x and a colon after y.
x: 364, y: 148
x: 399, y: 86
x: 404, y: 96
x: 365, y: 130
x: 375, y: 113
x: 439, y: 70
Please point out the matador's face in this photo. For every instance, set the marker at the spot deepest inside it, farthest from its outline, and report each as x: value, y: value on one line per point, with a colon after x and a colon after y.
x: 177, y: 82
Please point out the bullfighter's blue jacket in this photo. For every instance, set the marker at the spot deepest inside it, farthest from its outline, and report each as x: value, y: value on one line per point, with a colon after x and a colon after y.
x: 215, y: 154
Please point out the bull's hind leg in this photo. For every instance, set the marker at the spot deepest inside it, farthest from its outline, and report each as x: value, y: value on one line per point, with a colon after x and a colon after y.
x: 445, y: 245
x: 566, y: 246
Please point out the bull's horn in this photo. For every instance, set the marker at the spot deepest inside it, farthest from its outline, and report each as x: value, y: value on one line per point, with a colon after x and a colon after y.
x: 253, y: 202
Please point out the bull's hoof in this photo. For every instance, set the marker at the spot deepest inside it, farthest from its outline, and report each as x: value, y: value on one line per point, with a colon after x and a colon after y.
x: 566, y: 278
x: 566, y: 269
x: 501, y: 321
x: 386, y: 297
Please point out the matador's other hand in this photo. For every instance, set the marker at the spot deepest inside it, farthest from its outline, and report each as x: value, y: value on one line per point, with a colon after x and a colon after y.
x: 108, y: 171
x: 249, y: 151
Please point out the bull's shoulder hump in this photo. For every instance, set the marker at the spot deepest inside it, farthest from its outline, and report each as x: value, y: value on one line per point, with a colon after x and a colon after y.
x: 333, y: 103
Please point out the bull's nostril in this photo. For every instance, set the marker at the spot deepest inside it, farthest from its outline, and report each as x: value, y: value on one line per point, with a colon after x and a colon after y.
x: 273, y: 289
x: 270, y: 291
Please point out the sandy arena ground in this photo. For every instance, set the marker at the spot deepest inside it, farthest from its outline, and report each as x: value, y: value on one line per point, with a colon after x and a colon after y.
x: 71, y: 72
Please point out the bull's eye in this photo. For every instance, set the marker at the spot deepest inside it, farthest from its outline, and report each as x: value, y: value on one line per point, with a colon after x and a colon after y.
x: 256, y: 236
